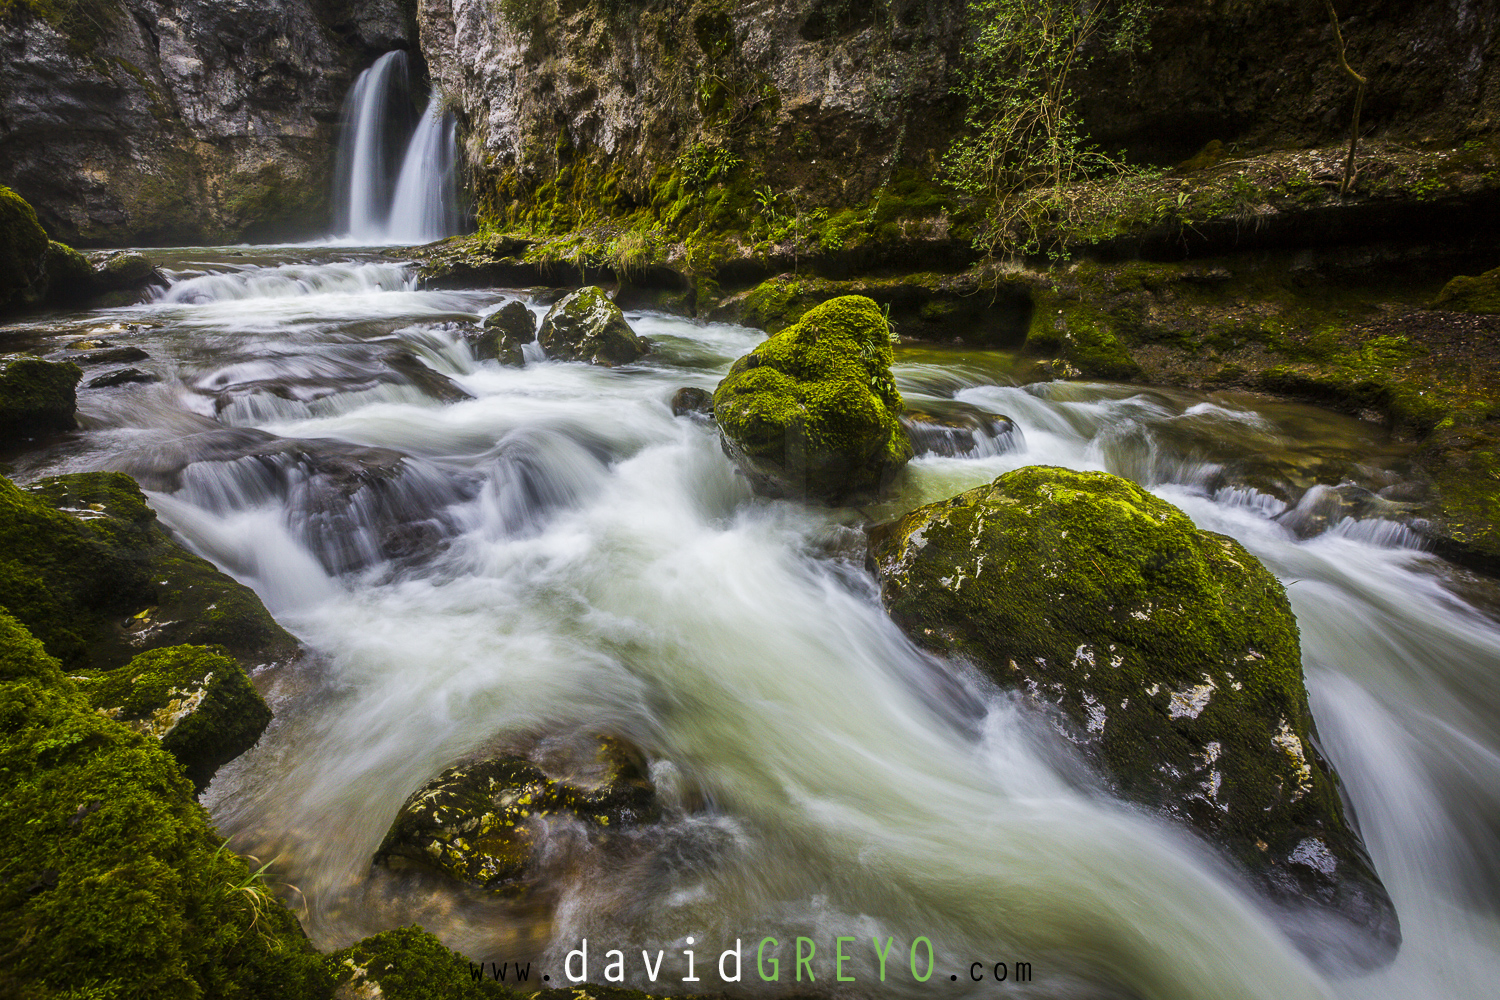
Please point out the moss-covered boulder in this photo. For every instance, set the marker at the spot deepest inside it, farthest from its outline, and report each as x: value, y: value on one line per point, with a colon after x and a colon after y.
x: 114, y: 883
x: 407, y: 963
x: 86, y: 567
x: 1169, y: 656
x: 586, y: 326
x: 814, y: 412
x: 506, y: 332
x: 479, y: 823
x: 70, y: 276
x: 37, y: 397
x: 1479, y: 294
x: 194, y: 699
x: 23, y: 252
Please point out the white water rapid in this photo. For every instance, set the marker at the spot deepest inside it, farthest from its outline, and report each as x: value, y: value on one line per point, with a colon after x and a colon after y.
x: 394, y: 180
x: 558, y: 554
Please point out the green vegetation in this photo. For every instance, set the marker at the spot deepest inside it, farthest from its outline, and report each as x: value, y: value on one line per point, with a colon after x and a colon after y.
x: 1024, y: 144
x: 37, y: 396
x: 195, y: 699
x: 23, y: 247
x: 81, y: 554
x: 812, y: 412
x: 114, y: 882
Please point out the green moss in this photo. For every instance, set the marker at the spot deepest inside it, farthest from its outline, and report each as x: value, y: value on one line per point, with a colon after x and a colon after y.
x: 813, y: 410
x: 1474, y: 295
x: 23, y: 248
x: 1073, y: 326
x: 408, y: 963
x: 37, y: 396
x: 476, y: 823
x: 194, y: 699
x: 1172, y: 652
x: 70, y: 277
x: 85, y: 566
x: 113, y: 881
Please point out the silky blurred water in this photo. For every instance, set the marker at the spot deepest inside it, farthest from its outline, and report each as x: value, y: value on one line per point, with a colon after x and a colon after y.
x: 586, y: 562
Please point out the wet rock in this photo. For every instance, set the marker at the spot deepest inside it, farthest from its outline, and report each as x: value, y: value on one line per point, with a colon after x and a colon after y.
x: 194, y: 699
x: 505, y: 333
x: 961, y: 433
x: 691, y: 399
x: 482, y: 823
x: 587, y: 326
x: 813, y: 412
x: 85, y: 566
x: 117, y: 270
x: 125, y: 376
x: 104, y: 355
x: 1169, y: 656
x: 37, y: 397
x: 432, y: 383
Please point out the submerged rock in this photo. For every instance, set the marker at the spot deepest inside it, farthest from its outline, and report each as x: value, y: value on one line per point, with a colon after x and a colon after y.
x: 480, y: 823
x: 814, y: 412
x: 1171, y: 657
x: 961, y: 433
x: 85, y: 566
x: 125, y: 376
x: 505, y: 333
x: 431, y: 383
x: 194, y: 699
x: 37, y: 396
x: 587, y: 326
x: 690, y: 399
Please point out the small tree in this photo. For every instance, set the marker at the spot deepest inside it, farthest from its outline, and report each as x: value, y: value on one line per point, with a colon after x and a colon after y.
x: 1023, y: 141
x: 1347, y: 184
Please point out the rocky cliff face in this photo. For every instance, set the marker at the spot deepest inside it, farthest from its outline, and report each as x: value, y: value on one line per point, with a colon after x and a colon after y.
x: 582, y: 106
x: 141, y: 122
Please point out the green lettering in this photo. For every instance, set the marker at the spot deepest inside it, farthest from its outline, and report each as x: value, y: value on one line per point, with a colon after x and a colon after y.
x: 775, y: 965
x: 921, y: 979
x: 811, y: 950
x: 839, y: 958
x: 889, y: 944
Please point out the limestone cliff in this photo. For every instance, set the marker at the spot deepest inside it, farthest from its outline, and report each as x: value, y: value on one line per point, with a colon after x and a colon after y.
x: 147, y: 122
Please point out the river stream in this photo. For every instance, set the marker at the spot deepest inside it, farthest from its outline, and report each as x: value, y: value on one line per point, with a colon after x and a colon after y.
x: 559, y: 556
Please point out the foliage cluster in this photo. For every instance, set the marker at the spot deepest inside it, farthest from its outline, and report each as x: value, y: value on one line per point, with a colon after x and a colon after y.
x: 1023, y: 143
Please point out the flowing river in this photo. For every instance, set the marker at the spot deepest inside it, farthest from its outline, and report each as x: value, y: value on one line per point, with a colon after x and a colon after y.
x: 559, y: 556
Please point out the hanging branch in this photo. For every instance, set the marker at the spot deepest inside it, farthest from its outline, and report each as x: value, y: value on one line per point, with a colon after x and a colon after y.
x: 1347, y: 184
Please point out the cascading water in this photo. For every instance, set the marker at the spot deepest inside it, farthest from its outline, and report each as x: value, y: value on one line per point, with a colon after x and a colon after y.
x: 395, y: 177
x: 558, y: 552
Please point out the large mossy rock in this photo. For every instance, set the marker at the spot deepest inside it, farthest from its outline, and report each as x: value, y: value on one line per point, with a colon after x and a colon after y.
x: 37, y: 397
x: 194, y: 699
x: 1479, y: 294
x: 479, y: 823
x: 1171, y: 656
x: 814, y: 412
x: 85, y: 566
x: 506, y: 332
x: 114, y: 883
x: 23, y: 253
x: 586, y: 326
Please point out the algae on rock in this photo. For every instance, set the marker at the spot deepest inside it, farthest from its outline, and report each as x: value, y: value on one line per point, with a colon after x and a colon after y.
x: 194, y: 699
x: 814, y: 412
x: 37, y: 396
x: 478, y: 823
x: 1171, y: 659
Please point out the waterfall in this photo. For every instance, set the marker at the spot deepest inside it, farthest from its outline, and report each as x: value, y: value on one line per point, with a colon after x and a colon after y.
x: 394, y: 179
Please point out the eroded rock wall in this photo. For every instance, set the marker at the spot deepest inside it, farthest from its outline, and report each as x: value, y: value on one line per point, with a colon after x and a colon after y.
x: 595, y: 102
x: 145, y: 122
